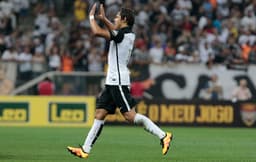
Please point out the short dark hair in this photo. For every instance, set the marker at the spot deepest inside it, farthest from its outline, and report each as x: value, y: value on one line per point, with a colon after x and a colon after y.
x: 129, y: 15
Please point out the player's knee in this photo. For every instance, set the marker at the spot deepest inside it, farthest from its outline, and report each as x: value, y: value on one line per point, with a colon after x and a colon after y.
x: 129, y: 116
x: 100, y: 114
x: 129, y: 119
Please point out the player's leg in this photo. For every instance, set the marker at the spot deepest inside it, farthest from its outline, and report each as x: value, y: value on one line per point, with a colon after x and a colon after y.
x: 149, y: 126
x: 104, y: 107
x: 95, y: 130
x: 84, y: 150
x: 127, y: 104
x: 165, y: 137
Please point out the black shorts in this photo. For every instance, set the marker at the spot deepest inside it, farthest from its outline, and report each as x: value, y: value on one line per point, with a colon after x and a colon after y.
x: 115, y: 96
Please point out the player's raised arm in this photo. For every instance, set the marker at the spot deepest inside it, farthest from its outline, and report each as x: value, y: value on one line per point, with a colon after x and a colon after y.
x: 105, y: 20
x: 96, y: 29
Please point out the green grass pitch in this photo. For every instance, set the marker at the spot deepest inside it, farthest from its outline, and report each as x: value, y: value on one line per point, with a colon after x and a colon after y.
x: 128, y: 144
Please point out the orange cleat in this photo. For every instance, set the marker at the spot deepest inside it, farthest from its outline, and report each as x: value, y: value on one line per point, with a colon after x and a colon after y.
x: 165, y: 142
x: 79, y: 152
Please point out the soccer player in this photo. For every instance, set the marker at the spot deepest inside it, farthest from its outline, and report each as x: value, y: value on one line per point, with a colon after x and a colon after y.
x: 116, y: 92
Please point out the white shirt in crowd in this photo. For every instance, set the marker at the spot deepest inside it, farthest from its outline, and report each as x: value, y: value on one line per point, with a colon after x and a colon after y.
x: 25, y: 59
x: 42, y: 21
x: 6, y: 7
x: 20, y: 4
x: 54, y: 61
x: 142, y: 18
x: 9, y: 56
x: 94, y: 63
x: 156, y: 54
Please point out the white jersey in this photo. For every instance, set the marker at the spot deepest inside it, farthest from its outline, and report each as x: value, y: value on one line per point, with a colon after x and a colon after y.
x: 119, y: 53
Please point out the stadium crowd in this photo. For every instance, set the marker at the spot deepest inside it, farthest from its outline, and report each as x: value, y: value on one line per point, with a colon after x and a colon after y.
x: 168, y: 31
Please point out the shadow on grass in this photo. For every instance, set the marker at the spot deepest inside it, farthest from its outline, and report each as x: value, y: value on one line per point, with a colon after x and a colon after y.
x: 7, y: 156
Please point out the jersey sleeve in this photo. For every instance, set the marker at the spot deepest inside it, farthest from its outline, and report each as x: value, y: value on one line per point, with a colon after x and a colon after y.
x: 116, y: 36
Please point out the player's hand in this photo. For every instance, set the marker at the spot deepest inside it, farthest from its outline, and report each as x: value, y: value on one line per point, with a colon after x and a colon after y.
x: 101, y: 15
x: 92, y: 12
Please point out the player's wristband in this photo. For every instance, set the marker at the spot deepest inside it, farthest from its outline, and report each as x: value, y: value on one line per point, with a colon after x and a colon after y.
x: 91, y: 17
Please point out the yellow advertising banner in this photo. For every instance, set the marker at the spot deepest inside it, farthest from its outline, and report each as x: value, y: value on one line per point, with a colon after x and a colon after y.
x: 46, y: 111
x: 195, y: 113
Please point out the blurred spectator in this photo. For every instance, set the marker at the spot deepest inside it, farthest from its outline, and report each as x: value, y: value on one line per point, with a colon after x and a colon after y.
x: 246, y: 49
x: 6, y: 85
x: 3, y: 45
x: 142, y: 17
x: 38, y: 45
x: 223, y: 8
x: 212, y: 90
x: 248, y: 21
x: 252, y: 55
x: 20, y: 8
x: 178, y: 14
x: 236, y: 57
x: 6, y: 7
x: 55, y: 36
x: 7, y: 17
x: 94, y: 65
x: 189, y: 24
x: 38, y: 63
x: 41, y: 23
x: 183, y: 55
x: 10, y: 59
x: 112, y: 7
x: 80, y: 7
x: 94, y: 61
x: 25, y: 66
x: 140, y: 61
x: 169, y: 52
x: 156, y: 52
x: 67, y: 64
x: 208, y: 8
x: 140, y: 55
x: 206, y: 51
x: 80, y: 56
x: 54, y: 59
x: 217, y: 23
x: 185, y: 4
x: 241, y: 92
x: 46, y: 87
x: 184, y: 38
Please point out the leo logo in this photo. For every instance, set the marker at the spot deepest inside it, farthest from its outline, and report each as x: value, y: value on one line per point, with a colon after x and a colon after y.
x: 67, y: 112
x: 248, y: 113
x: 14, y: 112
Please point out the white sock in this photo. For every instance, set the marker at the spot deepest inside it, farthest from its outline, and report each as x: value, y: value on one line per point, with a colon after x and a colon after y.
x: 149, y: 125
x: 93, y: 135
